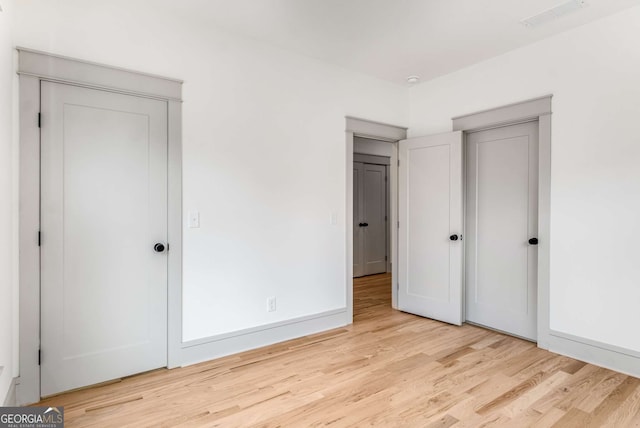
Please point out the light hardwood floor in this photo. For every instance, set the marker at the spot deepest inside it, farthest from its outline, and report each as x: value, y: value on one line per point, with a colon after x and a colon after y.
x: 388, y: 369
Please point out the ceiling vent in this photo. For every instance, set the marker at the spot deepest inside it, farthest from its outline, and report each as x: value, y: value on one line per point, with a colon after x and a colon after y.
x: 554, y: 13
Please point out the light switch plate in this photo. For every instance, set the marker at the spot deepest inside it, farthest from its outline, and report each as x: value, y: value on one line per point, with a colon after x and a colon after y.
x: 194, y: 219
x: 271, y: 304
x: 333, y: 220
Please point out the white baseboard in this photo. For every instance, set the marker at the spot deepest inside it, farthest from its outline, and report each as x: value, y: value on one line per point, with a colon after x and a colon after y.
x: 600, y: 354
x: 197, y: 351
x: 10, y: 399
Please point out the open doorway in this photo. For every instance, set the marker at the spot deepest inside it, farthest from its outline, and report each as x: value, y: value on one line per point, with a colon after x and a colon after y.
x: 371, y: 226
x: 371, y: 241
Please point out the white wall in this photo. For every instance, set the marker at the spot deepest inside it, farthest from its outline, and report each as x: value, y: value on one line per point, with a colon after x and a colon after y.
x: 594, y: 74
x: 8, y: 256
x: 264, y: 154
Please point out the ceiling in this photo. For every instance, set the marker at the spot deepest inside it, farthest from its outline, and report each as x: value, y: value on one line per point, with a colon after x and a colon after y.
x: 392, y: 39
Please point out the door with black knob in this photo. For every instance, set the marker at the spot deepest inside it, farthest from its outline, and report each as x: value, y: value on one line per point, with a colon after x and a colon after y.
x: 430, y: 231
x: 104, y: 236
x: 501, y: 229
x: 369, y: 219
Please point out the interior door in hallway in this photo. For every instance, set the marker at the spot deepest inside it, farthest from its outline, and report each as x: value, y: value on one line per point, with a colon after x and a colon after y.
x: 103, y: 210
x: 501, y: 228
x: 369, y: 219
x: 430, y: 229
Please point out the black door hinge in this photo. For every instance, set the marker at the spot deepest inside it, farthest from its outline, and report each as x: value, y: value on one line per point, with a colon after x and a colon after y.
x: 39, y: 238
x: 39, y: 120
x: 39, y: 356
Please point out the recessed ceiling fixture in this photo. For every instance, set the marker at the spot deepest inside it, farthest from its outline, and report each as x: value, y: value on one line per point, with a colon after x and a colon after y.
x: 412, y: 80
x: 554, y: 13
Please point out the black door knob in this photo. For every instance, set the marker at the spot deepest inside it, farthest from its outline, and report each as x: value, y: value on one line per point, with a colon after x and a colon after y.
x: 453, y: 237
x: 158, y: 248
x: 533, y: 241
x: 363, y: 224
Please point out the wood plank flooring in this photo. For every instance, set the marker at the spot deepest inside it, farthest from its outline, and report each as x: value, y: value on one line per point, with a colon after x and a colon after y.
x: 388, y: 369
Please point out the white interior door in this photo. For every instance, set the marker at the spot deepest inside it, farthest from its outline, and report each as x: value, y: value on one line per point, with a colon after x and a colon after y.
x: 430, y: 212
x: 502, y: 216
x: 374, y: 219
x: 369, y: 219
x: 103, y: 207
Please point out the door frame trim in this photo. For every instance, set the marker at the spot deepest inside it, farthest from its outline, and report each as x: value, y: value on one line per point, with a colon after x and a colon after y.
x: 534, y: 109
x: 383, y: 132
x: 372, y: 159
x: 34, y: 67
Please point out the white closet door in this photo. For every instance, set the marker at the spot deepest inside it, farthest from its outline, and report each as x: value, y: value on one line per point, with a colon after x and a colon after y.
x: 430, y: 213
x: 103, y: 207
x: 502, y: 216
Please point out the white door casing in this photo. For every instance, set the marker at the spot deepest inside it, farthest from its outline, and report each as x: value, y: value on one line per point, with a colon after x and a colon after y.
x: 358, y: 232
x: 103, y: 207
x: 430, y: 213
x: 501, y: 217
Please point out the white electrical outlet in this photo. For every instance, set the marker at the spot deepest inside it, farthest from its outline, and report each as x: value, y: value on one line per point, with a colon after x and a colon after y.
x: 271, y: 304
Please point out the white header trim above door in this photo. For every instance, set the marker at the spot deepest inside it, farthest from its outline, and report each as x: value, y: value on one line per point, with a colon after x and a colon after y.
x: 375, y: 130
x: 98, y: 76
x: 505, y: 115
